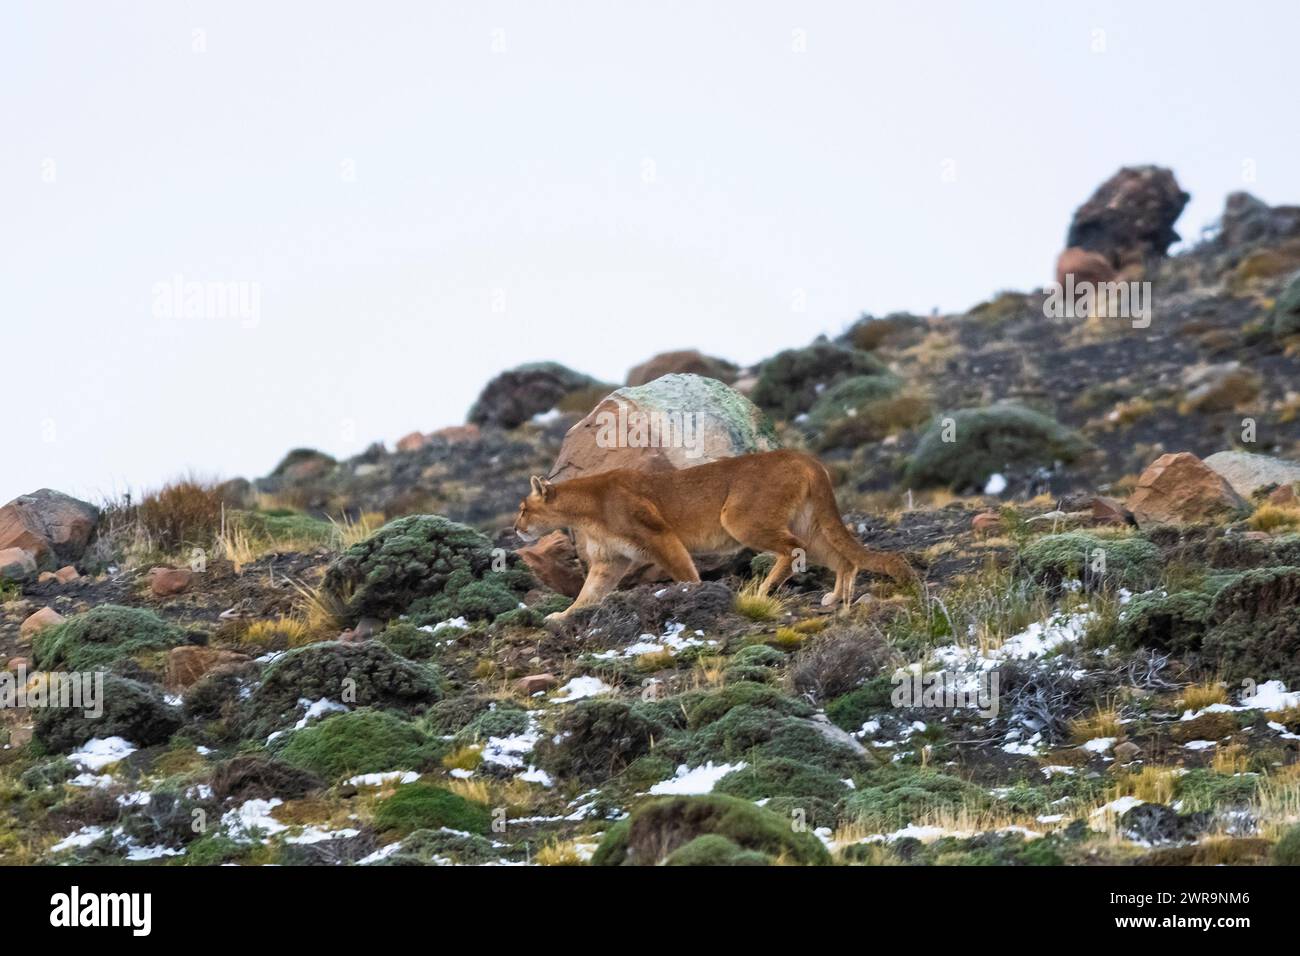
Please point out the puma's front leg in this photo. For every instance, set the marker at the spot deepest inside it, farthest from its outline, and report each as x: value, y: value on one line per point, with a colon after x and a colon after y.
x: 602, y: 577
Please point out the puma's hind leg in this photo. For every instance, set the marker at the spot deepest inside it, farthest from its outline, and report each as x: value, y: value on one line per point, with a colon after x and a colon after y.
x: 779, y: 574
x: 845, y: 578
x: 778, y: 541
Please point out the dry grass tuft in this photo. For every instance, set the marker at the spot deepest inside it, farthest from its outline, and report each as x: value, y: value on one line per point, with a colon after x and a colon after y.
x: 1197, y: 696
x: 1270, y: 517
x: 759, y: 607
x: 1103, y: 722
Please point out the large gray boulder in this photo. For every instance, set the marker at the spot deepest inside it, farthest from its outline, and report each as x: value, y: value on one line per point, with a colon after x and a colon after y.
x: 1248, y: 473
x: 676, y: 421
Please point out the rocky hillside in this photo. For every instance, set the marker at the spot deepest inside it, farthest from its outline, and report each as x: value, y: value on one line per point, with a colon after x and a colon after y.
x: 348, y: 662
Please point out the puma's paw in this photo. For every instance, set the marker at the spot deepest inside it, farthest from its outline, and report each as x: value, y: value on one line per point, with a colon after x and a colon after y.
x: 555, y: 621
x: 829, y: 598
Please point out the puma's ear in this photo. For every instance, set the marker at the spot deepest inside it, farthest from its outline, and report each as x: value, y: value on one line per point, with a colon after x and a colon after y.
x: 542, y: 487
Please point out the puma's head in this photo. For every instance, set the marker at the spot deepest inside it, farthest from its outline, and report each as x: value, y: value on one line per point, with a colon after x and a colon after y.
x: 537, y: 513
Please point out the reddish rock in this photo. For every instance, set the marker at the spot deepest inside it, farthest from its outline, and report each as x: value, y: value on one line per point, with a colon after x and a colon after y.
x: 554, y: 561
x: 536, y: 683
x: 689, y: 361
x: 49, y: 524
x: 412, y: 442
x: 1106, y: 511
x: 17, y: 564
x: 1282, y: 495
x: 35, y: 623
x: 17, y: 664
x: 1179, y: 488
x: 187, y: 663
x: 990, y: 522
x: 457, y: 433
x: 1255, y: 535
x: 46, y: 577
x: 1084, y: 266
x: 164, y: 582
x: 66, y: 574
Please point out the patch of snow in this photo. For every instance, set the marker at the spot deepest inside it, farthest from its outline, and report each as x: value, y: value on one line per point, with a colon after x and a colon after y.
x: 534, y: 775
x: 314, y: 834
x: 250, y: 816
x: 1198, y: 744
x: 92, y: 780
x: 869, y: 728
x: 1099, y: 745
x: 995, y: 485
x: 318, y: 709
x: 1118, y: 806
x: 510, y: 751
x: 379, y: 779
x: 581, y: 687
x: 383, y: 853
x: 83, y: 837
x: 137, y: 853
x: 1272, y: 695
x: 695, y: 780
x: 99, y: 752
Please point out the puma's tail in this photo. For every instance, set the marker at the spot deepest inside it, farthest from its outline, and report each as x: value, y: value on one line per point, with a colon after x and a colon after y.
x: 849, y: 547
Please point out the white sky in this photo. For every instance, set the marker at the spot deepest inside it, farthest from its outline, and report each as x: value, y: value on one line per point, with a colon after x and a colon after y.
x: 420, y: 211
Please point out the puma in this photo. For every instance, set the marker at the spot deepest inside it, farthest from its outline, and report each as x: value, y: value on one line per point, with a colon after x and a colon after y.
x: 778, y: 501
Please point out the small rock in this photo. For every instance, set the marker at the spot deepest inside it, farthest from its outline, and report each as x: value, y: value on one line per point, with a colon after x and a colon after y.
x: 46, y: 577
x: 454, y: 434
x: 66, y: 574
x: 17, y: 564
x: 535, y: 683
x: 164, y: 582
x: 33, y: 625
x: 989, y: 522
x: 1127, y: 751
x: 1107, y: 511
x: 188, y: 662
x: 17, y: 664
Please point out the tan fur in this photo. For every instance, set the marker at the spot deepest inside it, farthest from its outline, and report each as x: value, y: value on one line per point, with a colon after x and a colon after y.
x: 779, y: 502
